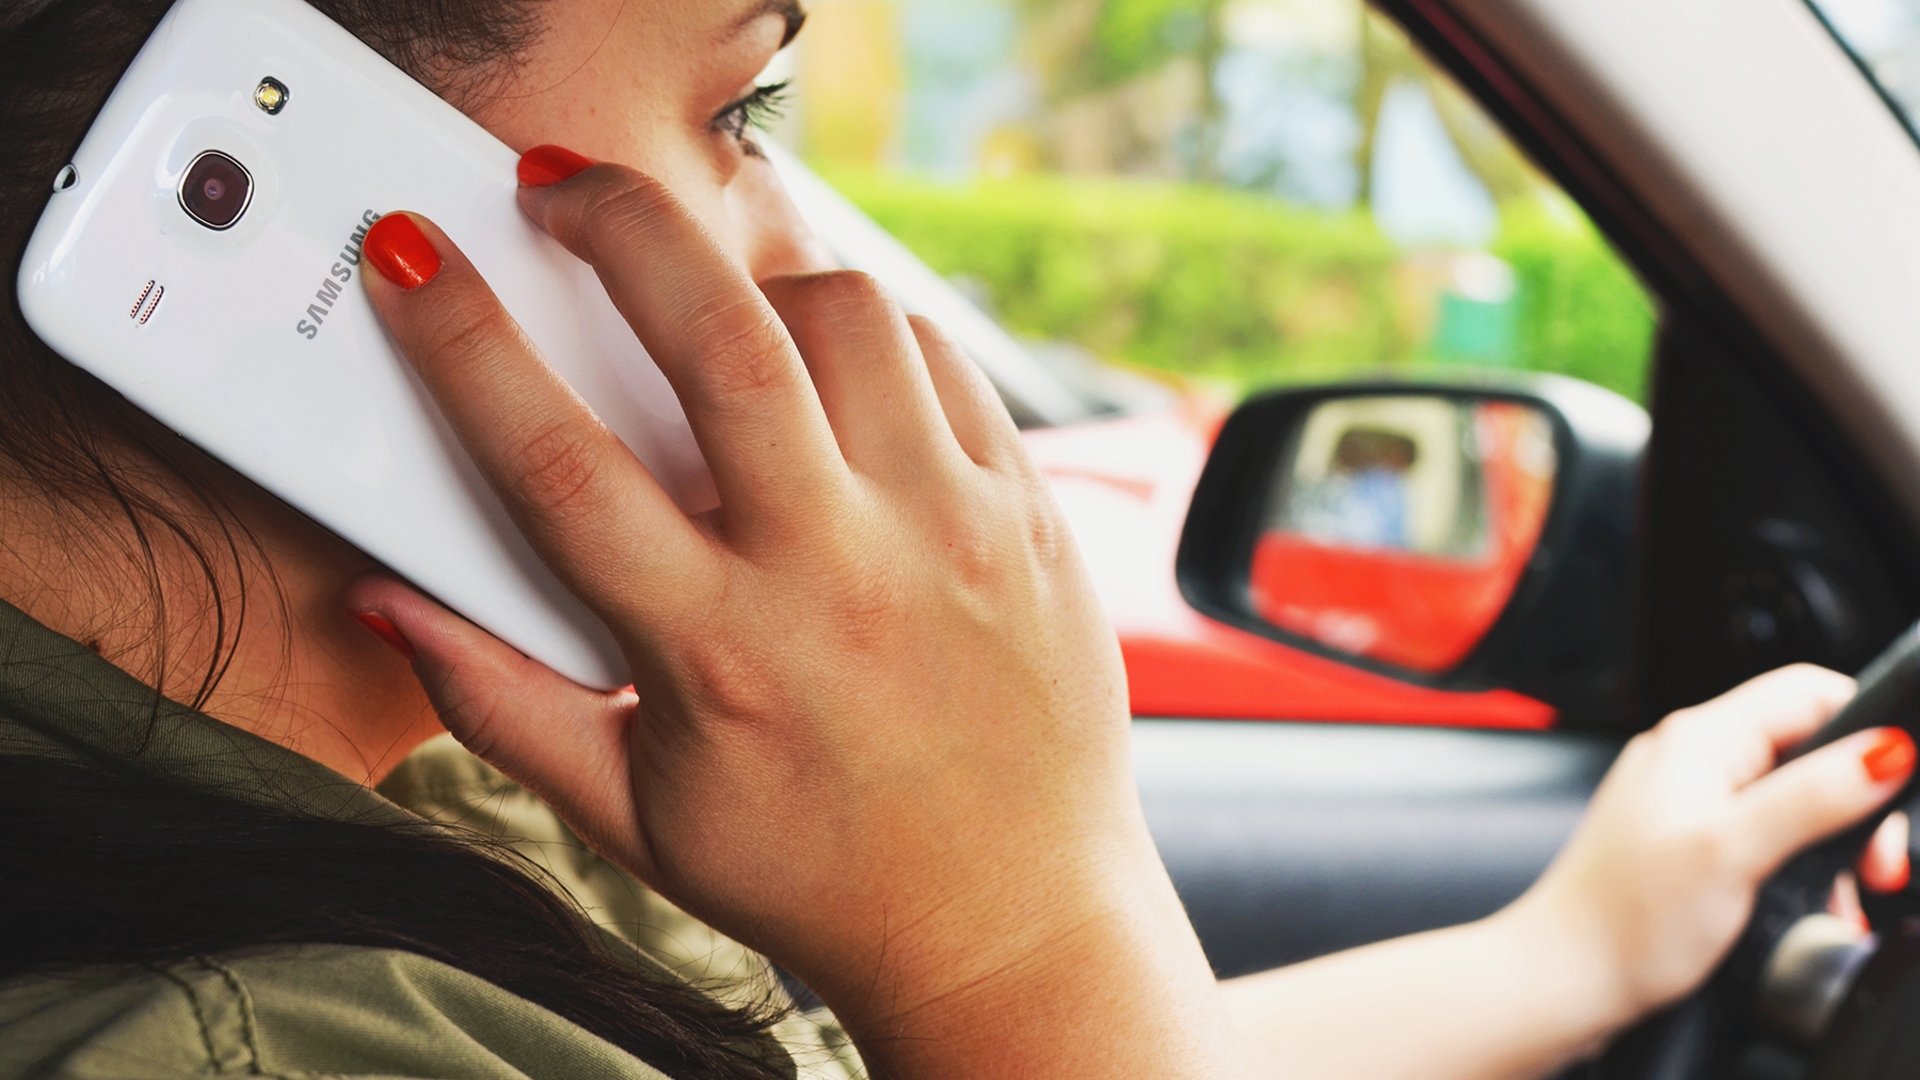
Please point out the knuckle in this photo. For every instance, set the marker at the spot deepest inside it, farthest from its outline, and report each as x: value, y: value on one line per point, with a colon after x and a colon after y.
x: 1692, y: 728
x: 1048, y: 537
x: 832, y: 302
x: 978, y: 559
x: 727, y: 680
x: 463, y: 714
x: 1643, y: 744
x: 836, y: 301
x: 868, y: 610
x: 618, y: 211
x: 467, y: 326
x: 745, y: 346
x: 1722, y: 846
x: 1634, y: 759
x: 940, y: 347
x: 850, y: 292
x: 556, y: 467
x: 1052, y: 537
x: 1006, y: 552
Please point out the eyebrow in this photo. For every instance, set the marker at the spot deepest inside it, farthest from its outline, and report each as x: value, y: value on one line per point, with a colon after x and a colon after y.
x: 789, y: 11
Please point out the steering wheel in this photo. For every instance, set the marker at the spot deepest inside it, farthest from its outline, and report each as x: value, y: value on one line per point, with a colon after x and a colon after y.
x: 1804, y: 995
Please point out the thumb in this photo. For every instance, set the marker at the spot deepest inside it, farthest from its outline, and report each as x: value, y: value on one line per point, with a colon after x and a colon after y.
x: 1814, y: 797
x: 565, y: 743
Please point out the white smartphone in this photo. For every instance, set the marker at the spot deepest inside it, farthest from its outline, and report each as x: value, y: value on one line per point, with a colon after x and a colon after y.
x: 202, y: 256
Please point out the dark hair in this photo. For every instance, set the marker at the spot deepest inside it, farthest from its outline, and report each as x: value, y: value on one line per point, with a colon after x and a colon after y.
x: 65, y: 438
x: 103, y: 869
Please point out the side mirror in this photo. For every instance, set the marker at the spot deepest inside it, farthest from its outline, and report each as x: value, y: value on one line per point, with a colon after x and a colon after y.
x: 1465, y: 537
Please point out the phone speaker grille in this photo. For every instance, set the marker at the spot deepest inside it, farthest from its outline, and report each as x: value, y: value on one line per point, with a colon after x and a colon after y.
x: 147, y: 303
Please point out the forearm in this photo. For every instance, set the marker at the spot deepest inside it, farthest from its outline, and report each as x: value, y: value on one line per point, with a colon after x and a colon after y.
x: 1512, y: 996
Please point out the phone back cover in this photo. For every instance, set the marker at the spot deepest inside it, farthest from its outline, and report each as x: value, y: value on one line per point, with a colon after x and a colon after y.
x: 262, y: 348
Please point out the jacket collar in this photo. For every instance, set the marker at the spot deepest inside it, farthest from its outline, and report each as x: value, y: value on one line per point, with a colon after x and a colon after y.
x: 59, y: 700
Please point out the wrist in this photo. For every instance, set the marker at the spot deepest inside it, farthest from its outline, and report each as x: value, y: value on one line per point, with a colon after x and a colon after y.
x: 1098, y: 973
x: 1577, y: 970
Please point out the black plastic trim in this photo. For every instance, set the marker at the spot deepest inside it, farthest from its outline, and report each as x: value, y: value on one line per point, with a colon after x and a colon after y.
x: 1564, y: 635
x: 1689, y: 295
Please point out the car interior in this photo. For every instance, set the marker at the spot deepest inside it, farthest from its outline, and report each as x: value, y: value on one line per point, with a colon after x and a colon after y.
x: 1538, y: 536
x: 1768, y: 519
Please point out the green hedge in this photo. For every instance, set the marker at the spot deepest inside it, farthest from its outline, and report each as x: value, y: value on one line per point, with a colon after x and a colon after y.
x: 1229, y: 286
x: 1582, y: 312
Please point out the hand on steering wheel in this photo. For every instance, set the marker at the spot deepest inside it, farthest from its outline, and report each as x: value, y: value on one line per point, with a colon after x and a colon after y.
x: 1660, y: 878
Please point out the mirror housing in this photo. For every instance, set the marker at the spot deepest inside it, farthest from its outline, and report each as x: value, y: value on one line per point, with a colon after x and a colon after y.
x: 1565, y: 634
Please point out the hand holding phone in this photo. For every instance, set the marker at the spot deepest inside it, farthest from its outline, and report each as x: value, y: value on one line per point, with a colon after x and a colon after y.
x: 880, y: 728
x: 203, y: 256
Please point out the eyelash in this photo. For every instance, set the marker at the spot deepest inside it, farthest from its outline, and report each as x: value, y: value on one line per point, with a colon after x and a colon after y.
x: 762, y: 106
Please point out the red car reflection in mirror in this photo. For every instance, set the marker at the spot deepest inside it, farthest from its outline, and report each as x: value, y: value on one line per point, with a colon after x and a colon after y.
x: 1401, y: 525
x: 1124, y: 486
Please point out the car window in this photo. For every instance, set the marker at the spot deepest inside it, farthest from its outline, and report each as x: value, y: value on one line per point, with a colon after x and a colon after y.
x: 1221, y: 195
x: 1884, y: 38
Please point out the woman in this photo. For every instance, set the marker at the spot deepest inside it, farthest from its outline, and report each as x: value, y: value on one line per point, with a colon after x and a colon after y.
x: 880, y: 727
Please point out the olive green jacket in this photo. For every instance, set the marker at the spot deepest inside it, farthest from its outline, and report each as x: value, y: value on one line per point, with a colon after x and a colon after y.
x: 329, y: 1010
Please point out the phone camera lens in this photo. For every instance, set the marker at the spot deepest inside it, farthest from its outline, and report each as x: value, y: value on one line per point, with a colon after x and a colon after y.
x: 216, y: 190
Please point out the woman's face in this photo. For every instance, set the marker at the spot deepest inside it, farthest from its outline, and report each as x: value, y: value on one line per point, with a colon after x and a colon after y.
x: 663, y: 86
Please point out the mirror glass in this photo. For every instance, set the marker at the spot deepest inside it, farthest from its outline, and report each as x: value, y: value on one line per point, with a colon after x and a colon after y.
x: 1398, y: 525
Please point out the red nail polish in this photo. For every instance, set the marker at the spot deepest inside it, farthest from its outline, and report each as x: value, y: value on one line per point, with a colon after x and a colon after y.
x: 386, y: 632
x: 544, y: 166
x: 401, y: 252
x: 1890, y: 756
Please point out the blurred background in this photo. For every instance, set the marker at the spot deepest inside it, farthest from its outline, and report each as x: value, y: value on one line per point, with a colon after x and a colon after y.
x: 1225, y: 194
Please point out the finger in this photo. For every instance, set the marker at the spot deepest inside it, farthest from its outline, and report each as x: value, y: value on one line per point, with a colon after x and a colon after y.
x: 741, y: 381
x: 566, y: 744
x: 1814, y: 797
x: 1752, y: 724
x: 1787, y: 704
x: 1885, y: 866
x: 588, y: 506
x: 1844, y: 902
x: 973, y: 408
x: 866, y: 367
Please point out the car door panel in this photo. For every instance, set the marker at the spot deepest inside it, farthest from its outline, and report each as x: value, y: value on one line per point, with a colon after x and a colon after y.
x: 1288, y: 841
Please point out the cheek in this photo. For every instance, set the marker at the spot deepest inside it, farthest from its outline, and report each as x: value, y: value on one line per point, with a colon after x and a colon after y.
x: 772, y: 238
x: 687, y: 169
x: 740, y: 201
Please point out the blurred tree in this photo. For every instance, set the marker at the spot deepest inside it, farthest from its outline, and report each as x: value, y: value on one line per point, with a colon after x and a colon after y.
x: 1388, y: 57
x: 1128, y: 88
x: 849, y: 70
x: 1126, y: 84
x: 1134, y: 37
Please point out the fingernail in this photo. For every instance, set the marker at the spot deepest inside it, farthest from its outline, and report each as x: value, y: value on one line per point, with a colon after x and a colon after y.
x: 1890, y: 756
x: 544, y: 166
x: 401, y: 252
x: 386, y: 632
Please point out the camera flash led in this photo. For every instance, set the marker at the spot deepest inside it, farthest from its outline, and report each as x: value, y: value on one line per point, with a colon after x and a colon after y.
x: 271, y: 95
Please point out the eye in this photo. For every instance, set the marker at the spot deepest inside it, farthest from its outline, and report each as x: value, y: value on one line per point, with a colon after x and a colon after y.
x: 760, y: 107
